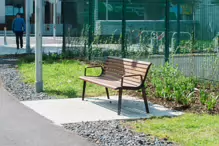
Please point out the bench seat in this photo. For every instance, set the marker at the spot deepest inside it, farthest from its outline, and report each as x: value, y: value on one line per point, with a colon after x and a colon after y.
x: 109, y: 82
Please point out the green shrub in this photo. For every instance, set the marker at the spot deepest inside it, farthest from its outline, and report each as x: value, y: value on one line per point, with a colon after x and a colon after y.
x: 170, y: 84
x: 28, y: 59
x: 209, y: 100
x: 212, y: 102
x: 203, y: 97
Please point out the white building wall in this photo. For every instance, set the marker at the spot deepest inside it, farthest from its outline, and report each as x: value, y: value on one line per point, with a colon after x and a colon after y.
x: 2, y: 11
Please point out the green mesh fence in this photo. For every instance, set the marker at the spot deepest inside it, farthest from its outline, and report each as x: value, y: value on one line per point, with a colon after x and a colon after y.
x: 183, y: 32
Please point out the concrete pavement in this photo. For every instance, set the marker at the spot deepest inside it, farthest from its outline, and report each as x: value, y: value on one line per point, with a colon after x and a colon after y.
x: 45, y: 40
x: 49, y: 45
x: 63, y: 111
x: 20, y: 126
x: 11, y: 49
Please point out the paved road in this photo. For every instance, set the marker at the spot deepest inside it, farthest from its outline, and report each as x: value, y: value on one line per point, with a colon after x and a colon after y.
x: 46, y: 40
x: 20, y: 126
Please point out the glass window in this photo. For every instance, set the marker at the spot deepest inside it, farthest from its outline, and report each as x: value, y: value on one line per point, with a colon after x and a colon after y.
x: 12, y: 11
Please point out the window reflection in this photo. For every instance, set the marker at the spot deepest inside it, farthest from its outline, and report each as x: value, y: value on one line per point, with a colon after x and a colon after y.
x: 12, y: 10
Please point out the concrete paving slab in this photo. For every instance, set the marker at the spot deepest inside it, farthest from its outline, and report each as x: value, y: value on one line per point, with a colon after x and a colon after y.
x: 45, y: 40
x: 5, y: 50
x: 62, y: 111
x: 11, y: 49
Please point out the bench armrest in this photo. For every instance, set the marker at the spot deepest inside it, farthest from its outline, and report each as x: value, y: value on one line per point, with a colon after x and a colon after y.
x: 135, y: 75
x: 96, y: 66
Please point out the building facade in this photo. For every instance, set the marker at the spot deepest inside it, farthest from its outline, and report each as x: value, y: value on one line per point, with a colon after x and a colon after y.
x: 75, y: 14
x: 9, y: 9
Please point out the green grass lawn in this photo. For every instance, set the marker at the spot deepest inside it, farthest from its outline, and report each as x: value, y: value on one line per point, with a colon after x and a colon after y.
x: 62, y: 78
x: 187, y: 130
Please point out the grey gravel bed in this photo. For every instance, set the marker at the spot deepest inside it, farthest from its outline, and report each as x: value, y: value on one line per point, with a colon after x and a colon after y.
x: 105, y: 133
x: 12, y: 81
x: 112, y: 133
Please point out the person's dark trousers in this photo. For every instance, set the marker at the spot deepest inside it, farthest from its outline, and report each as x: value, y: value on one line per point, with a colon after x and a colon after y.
x: 19, y: 38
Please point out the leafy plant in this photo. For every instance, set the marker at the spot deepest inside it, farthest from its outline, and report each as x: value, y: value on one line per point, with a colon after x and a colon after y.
x: 212, y: 102
x: 203, y: 97
x: 170, y: 84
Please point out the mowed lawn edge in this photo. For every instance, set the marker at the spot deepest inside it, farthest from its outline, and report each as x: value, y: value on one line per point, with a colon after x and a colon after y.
x: 187, y: 130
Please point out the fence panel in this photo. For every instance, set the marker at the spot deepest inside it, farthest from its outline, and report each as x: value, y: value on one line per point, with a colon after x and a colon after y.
x: 186, y: 31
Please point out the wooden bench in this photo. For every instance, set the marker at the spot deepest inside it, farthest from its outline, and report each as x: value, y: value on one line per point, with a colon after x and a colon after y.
x: 120, y: 74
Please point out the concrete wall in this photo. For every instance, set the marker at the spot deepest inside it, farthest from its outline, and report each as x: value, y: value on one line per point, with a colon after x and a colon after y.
x: 109, y: 27
x: 2, y: 11
x: 203, y: 66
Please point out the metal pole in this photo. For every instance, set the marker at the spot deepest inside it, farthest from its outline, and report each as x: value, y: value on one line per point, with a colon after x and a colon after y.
x: 96, y: 11
x: 38, y: 49
x: 178, y: 26
x: 5, y: 36
x: 167, y: 20
x: 90, y: 39
x: 107, y: 11
x: 64, y: 28
x: 123, y: 28
x: 193, y: 22
x: 54, y: 19
x: 43, y: 18
x: 27, y: 26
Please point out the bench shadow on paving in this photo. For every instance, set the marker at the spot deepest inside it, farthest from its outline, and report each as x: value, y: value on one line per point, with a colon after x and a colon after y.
x: 133, y: 109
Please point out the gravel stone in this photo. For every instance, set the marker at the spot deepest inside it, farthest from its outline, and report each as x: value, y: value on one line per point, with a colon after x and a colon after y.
x: 13, y: 82
x: 112, y: 133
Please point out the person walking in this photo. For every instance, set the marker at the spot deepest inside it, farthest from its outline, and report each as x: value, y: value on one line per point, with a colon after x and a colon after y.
x: 18, y: 27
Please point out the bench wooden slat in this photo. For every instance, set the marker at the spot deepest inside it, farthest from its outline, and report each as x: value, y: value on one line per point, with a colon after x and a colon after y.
x: 106, y: 82
x: 128, y: 60
x: 132, y: 64
x: 101, y: 81
x: 123, y: 71
x: 118, y: 77
x: 118, y: 65
x: 131, y: 81
x: 119, y: 80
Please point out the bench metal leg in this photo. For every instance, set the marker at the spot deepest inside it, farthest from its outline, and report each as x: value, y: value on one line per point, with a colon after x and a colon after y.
x: 145, y: 99
x: 84, y: 88
x: 120, y: 101
x: 107, y: 93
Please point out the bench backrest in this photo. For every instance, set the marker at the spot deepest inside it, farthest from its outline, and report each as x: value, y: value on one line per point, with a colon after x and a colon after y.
x: 117, y: 67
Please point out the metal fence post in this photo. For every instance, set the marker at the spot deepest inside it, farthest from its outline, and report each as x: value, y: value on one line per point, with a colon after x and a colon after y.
x: 167, y: 20
x: 178, y: 26
x: 63, y: 27
x: 28, y: 26
x: 123, y: 28
x: 5, y: 36
x: 54, y: 18
x: 90, y: 39
x: 107, y: 11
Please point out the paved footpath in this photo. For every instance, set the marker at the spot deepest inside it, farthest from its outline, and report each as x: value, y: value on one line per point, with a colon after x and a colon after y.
x: 20, y: 126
